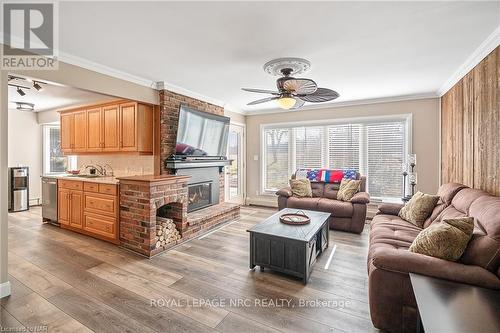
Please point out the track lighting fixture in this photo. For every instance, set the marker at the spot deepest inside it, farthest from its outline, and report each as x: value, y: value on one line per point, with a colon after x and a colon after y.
x: 37, y: 86
x: 22, y: 106
x: 20, y: 91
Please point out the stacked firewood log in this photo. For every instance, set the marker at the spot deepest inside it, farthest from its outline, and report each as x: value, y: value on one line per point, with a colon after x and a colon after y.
x: 166, y: 232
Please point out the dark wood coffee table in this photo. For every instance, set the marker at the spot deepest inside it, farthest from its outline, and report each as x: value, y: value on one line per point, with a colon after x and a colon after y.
x: 446, y: 306
x: 286, y: 248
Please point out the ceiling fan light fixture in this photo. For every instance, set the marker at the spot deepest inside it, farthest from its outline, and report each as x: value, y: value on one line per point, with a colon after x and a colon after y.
x: 286, y: 102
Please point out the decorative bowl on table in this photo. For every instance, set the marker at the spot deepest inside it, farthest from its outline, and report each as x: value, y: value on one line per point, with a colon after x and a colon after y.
x: 298, y: 218
x: 73, y: 172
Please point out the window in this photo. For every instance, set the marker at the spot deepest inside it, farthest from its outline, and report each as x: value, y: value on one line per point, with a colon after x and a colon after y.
x: 374, y: 147
x: 53, y: 159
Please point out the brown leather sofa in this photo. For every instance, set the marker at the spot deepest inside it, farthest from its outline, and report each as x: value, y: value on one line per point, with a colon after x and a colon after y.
x: 392, y: 302
x: 345, y: 215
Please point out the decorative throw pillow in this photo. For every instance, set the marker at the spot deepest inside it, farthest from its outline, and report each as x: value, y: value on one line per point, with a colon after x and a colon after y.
x: 301, y: 188
x: 418, y: 208
x: 348, y: 188
x: 445, y: 240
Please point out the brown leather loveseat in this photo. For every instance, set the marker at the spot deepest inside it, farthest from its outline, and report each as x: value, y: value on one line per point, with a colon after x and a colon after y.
x: 345, y: 215
x: 392, y: 302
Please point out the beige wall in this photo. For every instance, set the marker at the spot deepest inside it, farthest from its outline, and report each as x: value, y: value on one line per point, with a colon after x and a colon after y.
x: 25, y: 148
x: 235, y: 117
x: 47, y: 117
x: 425, y: 140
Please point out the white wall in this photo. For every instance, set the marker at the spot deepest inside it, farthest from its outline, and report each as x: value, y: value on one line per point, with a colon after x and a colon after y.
x: 25, y: 148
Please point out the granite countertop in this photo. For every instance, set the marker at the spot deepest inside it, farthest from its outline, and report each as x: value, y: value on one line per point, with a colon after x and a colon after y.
x: 98, y: 179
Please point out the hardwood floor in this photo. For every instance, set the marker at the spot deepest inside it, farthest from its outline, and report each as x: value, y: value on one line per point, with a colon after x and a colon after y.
x: 73, y: 283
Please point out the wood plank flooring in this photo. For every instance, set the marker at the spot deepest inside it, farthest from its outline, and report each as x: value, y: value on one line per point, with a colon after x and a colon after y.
x: 72, y: 283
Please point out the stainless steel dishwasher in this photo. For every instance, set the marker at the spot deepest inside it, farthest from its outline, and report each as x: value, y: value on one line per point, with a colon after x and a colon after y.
x: 49, y: 199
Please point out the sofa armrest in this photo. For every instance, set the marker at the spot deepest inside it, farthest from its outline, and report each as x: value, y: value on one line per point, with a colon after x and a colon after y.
x: 390, y: 208
x: 404, y: 261
x: 361, y: 198
x: 284, y: 192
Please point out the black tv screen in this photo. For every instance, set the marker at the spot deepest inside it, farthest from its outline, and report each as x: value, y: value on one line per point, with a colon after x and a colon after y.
x: 201, y: 134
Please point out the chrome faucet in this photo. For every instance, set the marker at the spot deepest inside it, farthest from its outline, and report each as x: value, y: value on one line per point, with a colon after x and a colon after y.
x: 99, y: 169
x: 111, y: 173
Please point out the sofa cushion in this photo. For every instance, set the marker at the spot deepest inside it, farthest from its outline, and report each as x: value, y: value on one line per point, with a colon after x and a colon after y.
x: 303, y: 203
x: 335, y: 207
x: 484, y: 248
x: 331, y: 190
x: 419, y: 208
x: 464, y: 199
x: 317, y: 189
x: 390, y: 227
x: 445, y: 240
x: 301, y: 188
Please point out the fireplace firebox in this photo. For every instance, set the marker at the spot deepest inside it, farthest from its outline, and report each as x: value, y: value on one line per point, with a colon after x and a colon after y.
x: 199, y: 196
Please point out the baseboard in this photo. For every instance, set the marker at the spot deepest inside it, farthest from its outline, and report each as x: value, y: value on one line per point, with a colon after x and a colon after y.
x: 271, y: 202
x: 5, y: 289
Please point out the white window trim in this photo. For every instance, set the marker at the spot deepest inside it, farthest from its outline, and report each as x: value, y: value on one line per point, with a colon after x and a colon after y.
x: 407, y: 117
x: 72, y: 160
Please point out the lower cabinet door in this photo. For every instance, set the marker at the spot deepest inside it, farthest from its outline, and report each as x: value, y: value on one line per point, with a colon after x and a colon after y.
x: 76, y: 210
x: 100, y: 225
x: 63, y: 206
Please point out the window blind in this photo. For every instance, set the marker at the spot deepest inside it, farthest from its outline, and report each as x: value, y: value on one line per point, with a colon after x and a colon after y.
x: 374, y: 148
x: 386, y: 153
x: 343, y: 146
x: 308, y: 147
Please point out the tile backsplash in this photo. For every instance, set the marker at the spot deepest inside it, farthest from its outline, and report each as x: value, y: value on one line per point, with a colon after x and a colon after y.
x: 123, y: 165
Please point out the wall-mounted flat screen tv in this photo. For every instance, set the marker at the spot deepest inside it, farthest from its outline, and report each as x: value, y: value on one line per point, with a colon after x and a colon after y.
x: 201, y: 134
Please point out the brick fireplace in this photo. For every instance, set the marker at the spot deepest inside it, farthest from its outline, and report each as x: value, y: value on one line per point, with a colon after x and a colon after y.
x: 150, y: 206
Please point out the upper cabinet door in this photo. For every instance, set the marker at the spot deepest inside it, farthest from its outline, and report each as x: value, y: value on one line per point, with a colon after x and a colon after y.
x: 94, y: 130
x: 67, y: 125
x: 80, y: 131
x: 128, y: 127
x: 111, y: 126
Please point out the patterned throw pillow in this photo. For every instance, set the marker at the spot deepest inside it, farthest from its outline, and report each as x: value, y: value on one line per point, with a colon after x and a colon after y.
x: 301, y: 188
x: 418, y: 208
x: 445, y: 240
x: 348, y: 188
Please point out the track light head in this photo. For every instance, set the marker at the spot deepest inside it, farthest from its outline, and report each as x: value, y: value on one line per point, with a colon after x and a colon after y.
x: 20, y: 91
x: 37, y: 86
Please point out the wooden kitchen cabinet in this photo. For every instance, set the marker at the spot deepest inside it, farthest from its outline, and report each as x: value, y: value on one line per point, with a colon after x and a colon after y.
x: 94, y: 132
x: 111, y: 127
x: 120, y: 126
x: 74, y: 132
x: 70, y: 204
x: 90, y: 208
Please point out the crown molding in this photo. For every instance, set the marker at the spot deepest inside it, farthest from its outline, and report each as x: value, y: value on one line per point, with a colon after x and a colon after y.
x: 102, y: 69
x: 485, y: 48
x: 333, y: 105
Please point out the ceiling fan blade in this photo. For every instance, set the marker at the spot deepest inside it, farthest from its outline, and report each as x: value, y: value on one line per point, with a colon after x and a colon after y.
x: 263, y: 91
x: 300, y: 86
x: 263, y: 100
x: 298, y: 103
x: 320, y: 95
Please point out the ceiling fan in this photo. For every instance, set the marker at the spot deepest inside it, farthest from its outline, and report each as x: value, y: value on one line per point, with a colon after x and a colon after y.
x: 292, y: 92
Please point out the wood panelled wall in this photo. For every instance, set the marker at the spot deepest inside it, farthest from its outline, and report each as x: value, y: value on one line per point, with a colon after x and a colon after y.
x: 470, y: 128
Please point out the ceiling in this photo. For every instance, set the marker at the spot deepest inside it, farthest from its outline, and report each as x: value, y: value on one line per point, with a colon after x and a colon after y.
x: 363, y: 50
x: 52, y: 96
